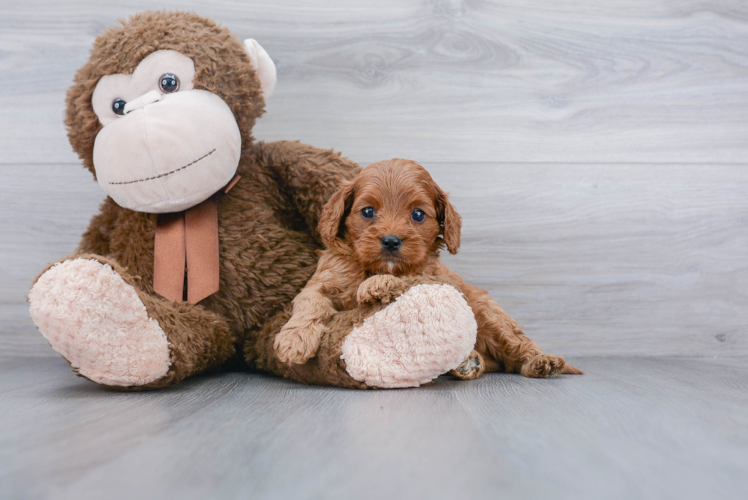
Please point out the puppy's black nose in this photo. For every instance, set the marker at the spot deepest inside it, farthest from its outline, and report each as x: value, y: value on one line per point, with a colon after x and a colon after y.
x: 391, y: 243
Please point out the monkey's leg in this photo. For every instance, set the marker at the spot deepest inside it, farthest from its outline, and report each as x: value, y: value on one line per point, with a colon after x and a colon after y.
x: 111, y: 332
x: 503, y: 345
x: 403, y: 341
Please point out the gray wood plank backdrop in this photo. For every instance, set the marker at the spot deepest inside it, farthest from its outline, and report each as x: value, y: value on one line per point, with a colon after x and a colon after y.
x: 596, y: 150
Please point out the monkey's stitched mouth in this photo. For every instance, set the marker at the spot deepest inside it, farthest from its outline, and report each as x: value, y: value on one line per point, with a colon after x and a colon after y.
x: 165, y: 174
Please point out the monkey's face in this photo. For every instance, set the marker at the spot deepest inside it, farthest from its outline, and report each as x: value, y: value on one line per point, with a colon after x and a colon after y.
x: 164, y: 108
x: 164, y: 146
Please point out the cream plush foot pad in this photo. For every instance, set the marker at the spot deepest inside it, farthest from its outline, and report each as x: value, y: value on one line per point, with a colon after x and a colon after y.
x: 99, y: 324
x: 426, y: 332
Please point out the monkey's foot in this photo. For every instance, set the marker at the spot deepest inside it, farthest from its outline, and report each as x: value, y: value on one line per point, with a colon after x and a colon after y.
x: 97, y: 322
x: 426, y: 332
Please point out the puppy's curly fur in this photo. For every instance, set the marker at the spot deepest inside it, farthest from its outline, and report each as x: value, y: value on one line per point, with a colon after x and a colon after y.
x: 390, y: 223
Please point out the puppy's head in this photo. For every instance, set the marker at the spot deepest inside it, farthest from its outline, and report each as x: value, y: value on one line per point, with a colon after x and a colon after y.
x: 393, y: 218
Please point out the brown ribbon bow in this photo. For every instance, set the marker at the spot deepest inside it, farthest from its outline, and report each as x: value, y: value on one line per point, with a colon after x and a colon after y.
x: 190, y: 239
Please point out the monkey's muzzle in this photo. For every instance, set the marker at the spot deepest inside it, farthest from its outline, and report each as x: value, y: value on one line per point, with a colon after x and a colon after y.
x: 168, y: 152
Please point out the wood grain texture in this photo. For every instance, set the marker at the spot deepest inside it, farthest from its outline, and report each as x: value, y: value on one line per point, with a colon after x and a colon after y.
x: 627, y: 259
x: 443, y: 80
x: 44, y: 209
x: 643, y: 260
x: 629, y: 428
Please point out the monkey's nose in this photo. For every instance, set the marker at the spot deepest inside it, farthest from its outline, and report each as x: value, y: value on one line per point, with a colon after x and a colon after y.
x: 148, y: 98
x: 391, y: 242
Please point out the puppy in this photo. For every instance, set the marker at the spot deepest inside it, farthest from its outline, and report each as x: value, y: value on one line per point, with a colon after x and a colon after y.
x: 387, y: 225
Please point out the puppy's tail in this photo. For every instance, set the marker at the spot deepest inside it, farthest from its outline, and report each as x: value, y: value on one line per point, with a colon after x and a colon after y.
x: 570, y: 370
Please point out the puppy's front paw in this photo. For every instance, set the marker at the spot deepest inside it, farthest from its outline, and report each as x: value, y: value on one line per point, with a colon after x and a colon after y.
x: 543, y: 366
x: 382, y: 287
x: 295, y: 344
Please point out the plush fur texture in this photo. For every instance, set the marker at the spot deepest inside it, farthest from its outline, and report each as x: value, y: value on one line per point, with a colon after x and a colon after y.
x: 268, y: 243
x: 399, y: 199
x: 267, y: 223
x: 268, y: 237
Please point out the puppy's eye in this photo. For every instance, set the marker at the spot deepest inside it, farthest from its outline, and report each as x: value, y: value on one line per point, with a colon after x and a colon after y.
x: 118, y: 106
x: 417, y: 215
x: 168, y: 83
x: 368, y: 213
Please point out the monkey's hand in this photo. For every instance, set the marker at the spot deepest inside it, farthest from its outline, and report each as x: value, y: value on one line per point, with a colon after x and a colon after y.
x: 383, y: 287
x: 298, y: 341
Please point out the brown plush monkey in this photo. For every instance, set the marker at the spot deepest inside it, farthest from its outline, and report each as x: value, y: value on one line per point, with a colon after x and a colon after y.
x: 188, y: 267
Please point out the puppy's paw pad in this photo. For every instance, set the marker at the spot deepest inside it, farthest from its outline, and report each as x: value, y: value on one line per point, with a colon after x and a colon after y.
x: 472, y: 368
x: 96, y: 321
x: 543, y: 366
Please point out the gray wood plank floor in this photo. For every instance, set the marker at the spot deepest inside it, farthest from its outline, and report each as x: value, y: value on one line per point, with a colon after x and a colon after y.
x: 629, y: 428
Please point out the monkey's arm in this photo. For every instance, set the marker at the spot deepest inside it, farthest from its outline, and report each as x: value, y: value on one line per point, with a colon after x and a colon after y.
x: 308, y: 175
x: 96, y: 238
x: 403, y: 343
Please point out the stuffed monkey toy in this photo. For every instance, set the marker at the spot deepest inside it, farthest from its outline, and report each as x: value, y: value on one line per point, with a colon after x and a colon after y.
x: 206, y: 235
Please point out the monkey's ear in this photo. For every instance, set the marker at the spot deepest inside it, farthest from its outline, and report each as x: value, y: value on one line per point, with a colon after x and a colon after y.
x: 332, y: 220
x: 449, y: 220
x: 263, y: 65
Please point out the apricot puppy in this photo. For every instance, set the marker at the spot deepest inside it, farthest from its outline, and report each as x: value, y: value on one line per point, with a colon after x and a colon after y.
x: 388, y: 224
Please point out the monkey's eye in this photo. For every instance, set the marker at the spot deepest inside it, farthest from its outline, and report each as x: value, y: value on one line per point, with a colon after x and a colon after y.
x: 368, y: 213
x: 417, y: 215
x: 168, y: 83
x: 118, y: 106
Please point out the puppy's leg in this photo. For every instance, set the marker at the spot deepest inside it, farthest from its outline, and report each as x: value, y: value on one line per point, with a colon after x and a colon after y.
x: 503, y: 344
x: 299, y: 338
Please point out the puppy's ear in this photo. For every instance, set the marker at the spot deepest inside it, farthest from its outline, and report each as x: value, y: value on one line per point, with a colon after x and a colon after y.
x: 449, y: 220
x: 332, y: 221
